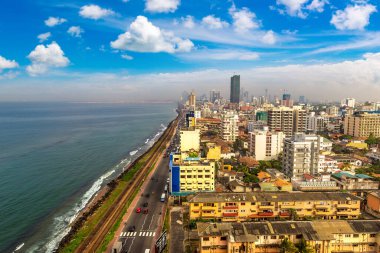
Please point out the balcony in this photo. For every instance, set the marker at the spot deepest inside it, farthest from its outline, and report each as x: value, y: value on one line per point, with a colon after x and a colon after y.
x: 230, y: 214
x: 266, y: 207
x: 208, y: 208
x: 322, y: 206
x: 323, y: 213
x: 265, y: 214
x: 284, y: 214
x: 345, y: 205
x: 348, y: 212
x: 289, y: 206
x: 230, y: 207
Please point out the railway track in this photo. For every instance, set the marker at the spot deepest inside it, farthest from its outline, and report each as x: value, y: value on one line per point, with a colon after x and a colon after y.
x: 92, y: 243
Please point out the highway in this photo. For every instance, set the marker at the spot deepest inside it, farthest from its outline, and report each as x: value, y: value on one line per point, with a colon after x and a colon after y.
x: 146, y: 225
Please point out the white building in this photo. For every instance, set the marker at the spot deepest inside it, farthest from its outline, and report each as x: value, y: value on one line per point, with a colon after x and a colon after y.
x: 265, y: 145
x: 316, y: 123
x: 190, y: 139
x: 229, y: 127
x: 350, y: 102
x: 301, y: 154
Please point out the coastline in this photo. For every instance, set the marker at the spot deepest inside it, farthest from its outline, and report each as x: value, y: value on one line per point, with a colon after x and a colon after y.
x: 98, y: 198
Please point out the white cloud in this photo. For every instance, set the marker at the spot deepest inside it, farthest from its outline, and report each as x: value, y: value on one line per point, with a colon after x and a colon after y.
x: 126, y: 57
x: 243, y: 19
x: 75, y: 31
x: 7, y: 64
x: 43, y: 57
x: 269, y: 38
x: 221, y: 55
x: 44, y: 36
x: 188, y: 21
x: 293, y: 7
x: 353, y: 17
x: 93, y: 11
x: 317, y: 5
x: 143, y: 36
x: 53, y: 21
x: 161, y: 5
x: 213, y: 22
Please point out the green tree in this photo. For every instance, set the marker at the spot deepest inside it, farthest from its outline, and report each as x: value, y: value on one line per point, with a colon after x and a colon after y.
x: 303, y: 247
x: 287, y: 246
x: 371, y: 140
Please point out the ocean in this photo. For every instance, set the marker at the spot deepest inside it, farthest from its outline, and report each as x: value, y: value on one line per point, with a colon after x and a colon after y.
x: 55, y: 156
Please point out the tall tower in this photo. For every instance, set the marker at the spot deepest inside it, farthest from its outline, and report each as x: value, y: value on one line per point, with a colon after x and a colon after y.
x: 235, y: 89
x: 192, y: 100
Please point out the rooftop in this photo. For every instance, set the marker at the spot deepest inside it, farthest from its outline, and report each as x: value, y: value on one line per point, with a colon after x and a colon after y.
x: 272, y: 197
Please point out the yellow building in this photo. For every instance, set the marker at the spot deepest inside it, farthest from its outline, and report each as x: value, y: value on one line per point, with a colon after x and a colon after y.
x: 190, y: 139
x: 362, y: 124
x: 266, y: 237
x: 274, y: 205
x: 213, y: 151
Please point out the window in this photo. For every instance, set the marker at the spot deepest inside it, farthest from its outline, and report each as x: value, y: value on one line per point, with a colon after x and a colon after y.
x: 298, y: 236
x: 265, y: 237
x: 273, y: 237
x: 372, y: 235
x: 223, y: 238
x: 196, y: 204
x: 347, y: 235
x: 253, y: 203
x: 206, y: 239
x: 242, y: 203
x: 356, y: 235
x: 183, y: 176
x: 281, y: 237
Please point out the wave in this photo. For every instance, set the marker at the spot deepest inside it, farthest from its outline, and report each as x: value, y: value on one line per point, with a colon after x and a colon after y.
x: 132, y: 153
x: 61, y: 224
x: 19, y: 247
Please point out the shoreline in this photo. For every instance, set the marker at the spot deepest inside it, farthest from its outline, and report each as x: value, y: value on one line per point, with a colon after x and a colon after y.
x: 96, y: 201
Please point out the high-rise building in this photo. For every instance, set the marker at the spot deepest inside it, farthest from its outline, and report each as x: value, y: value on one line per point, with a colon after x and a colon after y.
x: 301, y: 154
x: 350, y: 102
x: 229, y: 126
x: 362, y: 124
x: 235, y: 89
x: 286, y: 101
x: 316, y: 123
x: 287, y: 120
x: 302, y: 100
x: 265, y: 145
x: 299, y: 120
x: 332, y: 110
x: 214, y: 95
x: 190, y: 139
x: 192, y: 100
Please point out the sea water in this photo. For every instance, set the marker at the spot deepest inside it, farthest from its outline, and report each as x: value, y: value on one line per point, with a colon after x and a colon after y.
x: 55, y: 156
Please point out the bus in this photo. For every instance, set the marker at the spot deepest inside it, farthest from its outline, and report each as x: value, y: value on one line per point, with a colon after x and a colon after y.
x: 163, y: 197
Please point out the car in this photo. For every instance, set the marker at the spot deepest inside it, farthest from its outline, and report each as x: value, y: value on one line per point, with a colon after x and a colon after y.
x: 138, y: 210
x: 131, y: 228
x: 147, y: 195
x: 145, y: 211
x: 145, y: 204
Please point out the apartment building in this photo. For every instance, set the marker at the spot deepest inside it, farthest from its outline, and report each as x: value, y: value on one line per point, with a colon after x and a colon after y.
x: 362, y: 124
x: 316, y: 123
x: 301, y: 154
x: 229, y: 128
x: 270, y: 205
x: 190, y: 174
x: 189, y: 139
x: 265, y: 145
x: 357, y: 183
x: 266, y: 237
x: 287, y: 120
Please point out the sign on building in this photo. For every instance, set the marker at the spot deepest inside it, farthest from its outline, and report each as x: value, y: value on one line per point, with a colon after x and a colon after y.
x: 161, y: 243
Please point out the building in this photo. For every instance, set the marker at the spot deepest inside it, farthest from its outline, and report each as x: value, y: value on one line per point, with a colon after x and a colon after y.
x: 315, y: 184
x: 229, y: 128
x: 316, y: 123
x: 373, y: 203
x: 354, y: 236
x: 190, y: 174
x: 362, y: 124
x: 287, y: 120
x: 350, y: 102
x: 235, y: 89
x: 286, y: 101
x: 213, y: 151
x: 273, y: 205
x: 301, y: 154
x: 332, y: 110
x: 214, y: 96
x: 189, y: 139
x: 359, y: 184
x: 265, y: 145
x: 192, y: 100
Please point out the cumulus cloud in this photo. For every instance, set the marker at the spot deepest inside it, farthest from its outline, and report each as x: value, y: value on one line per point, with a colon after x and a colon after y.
x: 143, y: 36
x: 353, y: 17
x: 7, y: 64
x: 43, y: 57
x: 213, y: 22
x: 126, y: 57
x: 300, y: 8
x: 95, y: 12
x: 75, y: 31
x: 269, y: 38
x: 188, y: 21
x: 53, y: 21
x: 44, y: 36
x: 161, y: 5
x: 243, y: 19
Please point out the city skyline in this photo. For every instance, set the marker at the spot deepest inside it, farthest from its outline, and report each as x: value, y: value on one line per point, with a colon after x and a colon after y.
x: 108, y: 52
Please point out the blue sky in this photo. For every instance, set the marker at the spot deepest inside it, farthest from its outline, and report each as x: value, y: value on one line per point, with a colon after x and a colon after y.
x: 111, y: 50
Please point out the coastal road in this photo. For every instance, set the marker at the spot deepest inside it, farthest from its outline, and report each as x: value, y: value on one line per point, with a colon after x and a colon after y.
x: 146, y: 225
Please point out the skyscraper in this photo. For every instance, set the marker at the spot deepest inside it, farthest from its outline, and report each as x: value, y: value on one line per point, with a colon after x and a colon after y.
x: 214, y: 95
x: 235, y: 89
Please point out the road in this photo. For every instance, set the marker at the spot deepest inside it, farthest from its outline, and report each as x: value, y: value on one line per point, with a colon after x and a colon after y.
x: 146, y: 225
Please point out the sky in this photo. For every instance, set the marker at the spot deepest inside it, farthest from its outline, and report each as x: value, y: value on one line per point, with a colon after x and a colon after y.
x: 152, y: 50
